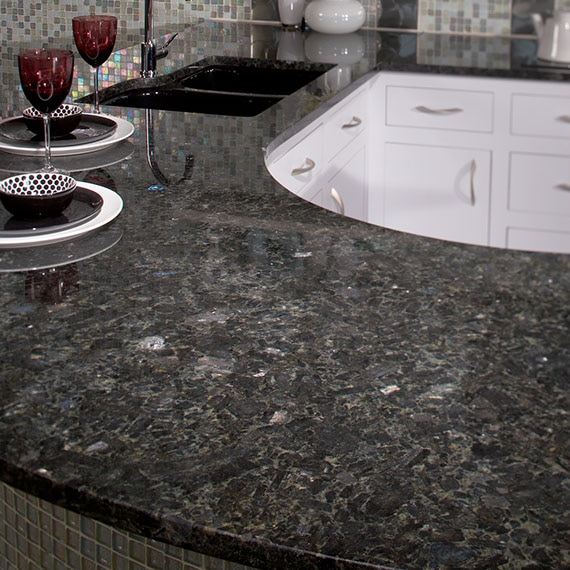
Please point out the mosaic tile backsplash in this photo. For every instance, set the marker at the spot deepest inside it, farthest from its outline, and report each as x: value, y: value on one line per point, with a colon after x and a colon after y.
x: 35, y: 534
x: 27, y: 21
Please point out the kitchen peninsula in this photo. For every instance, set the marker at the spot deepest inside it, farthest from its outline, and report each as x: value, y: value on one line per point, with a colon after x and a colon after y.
x: 244, y: 374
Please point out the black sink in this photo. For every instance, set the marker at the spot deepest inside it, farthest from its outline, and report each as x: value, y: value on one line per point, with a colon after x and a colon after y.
x: 172, y: 99
x: 219, y: 85
x: 244, y: 79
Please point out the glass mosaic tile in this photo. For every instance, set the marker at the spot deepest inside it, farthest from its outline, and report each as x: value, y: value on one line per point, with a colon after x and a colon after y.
x: 491, y: 17
x: 37, y: 534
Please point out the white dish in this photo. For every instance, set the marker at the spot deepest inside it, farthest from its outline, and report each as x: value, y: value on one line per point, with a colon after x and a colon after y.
x: 123, y: 150
x: 112, y: 206
x: 123, y: 131
x: 59, y: 254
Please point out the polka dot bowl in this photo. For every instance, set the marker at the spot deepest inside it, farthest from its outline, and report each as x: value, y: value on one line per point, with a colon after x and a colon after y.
x: 37, y: 195
x: 63, y: 121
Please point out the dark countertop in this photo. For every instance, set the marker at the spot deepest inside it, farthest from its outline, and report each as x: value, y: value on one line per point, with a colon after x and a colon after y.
x: 252, y: 377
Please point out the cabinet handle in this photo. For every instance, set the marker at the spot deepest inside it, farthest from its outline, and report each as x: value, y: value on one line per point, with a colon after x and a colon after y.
x: 564, y: 118
x: 563, y: 187
x: 466, y: 176
x: 354, y: 122
x: 472, y: 182
x: 336, y: 197
x: 450, y: 111
x: 308, y: 165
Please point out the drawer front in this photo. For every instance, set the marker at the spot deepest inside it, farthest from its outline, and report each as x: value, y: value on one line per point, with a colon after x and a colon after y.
x: 301, y: 164
x: 345, y: 124
x: 538, y: 240
x: 539, y: 184
x: 537, y: 115
x: 446, y: 109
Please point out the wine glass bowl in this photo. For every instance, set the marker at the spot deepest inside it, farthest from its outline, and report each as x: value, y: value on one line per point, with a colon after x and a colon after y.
x: 94, y: 37
x: 63, y: 121
x: 46, y: 76
x: 37, y: 195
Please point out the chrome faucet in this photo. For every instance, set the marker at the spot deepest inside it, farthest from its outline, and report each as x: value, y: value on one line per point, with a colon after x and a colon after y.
x: 149, y: 52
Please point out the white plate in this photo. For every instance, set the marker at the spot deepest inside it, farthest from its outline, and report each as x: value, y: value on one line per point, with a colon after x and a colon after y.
x: 54, y: 255
x: 13, y: 164
x: 112, y: 206
x: 123, y: 131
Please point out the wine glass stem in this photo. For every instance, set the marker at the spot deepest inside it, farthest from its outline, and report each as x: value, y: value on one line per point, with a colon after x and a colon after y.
x: 97, y: 108
x: 47, y: 142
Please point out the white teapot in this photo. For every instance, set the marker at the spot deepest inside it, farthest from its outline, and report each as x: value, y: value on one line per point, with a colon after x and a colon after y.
x: 553, y: 36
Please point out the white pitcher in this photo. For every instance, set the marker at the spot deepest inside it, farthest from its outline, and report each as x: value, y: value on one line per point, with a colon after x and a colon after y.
x: 553, y: 36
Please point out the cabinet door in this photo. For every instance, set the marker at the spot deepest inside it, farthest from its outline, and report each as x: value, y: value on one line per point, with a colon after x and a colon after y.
x: 438, y: 192
x: 346, y: 191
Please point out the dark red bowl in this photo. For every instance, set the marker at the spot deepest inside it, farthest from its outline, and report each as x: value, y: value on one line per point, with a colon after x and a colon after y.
x: 37, y: 195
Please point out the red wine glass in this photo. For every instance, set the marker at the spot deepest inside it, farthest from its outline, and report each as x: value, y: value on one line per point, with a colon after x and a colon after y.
x: 46, y: 76
x: 95, y: 39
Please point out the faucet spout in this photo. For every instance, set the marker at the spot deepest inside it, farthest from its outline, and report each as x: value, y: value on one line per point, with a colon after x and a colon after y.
x: 149, y: 51
x: 148, y: 21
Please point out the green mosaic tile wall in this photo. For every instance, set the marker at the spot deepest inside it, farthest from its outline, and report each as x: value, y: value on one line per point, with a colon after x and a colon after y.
x: 35, y: 534
x: 29, y: 20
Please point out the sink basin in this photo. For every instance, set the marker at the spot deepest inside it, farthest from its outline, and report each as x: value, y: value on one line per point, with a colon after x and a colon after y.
x: 219, y: 85
x: 168, y: 99
x: 245, y: 79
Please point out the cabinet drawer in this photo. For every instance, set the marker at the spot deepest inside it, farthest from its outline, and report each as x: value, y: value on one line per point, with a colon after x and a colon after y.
x: 538, y: 240
x: 301, y: 164
x: 345, y: 124
x: 537, y: 115
x: 539, y: 184
x: 447, y: 109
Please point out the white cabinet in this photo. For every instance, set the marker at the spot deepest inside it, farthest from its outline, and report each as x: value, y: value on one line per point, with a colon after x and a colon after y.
x: 433, y: 158
x: 325, y: 163
x: 346, y: 191
x: 505, y: 141
x: 484, y: 161
x: 441, y: 192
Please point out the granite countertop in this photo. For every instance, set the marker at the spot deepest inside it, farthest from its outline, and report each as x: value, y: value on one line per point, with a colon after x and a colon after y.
x: 244, y: 374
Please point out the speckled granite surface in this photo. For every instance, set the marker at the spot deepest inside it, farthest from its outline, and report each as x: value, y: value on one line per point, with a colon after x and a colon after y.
x: 254, y: 378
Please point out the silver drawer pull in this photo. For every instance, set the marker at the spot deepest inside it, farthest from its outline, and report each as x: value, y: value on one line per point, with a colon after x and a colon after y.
x: 354, y: 122
x: 308, y: 165
x: 564, y: 118
x: 450, y: 111
x: 563, y: 187
x: 466, y: 173
x: 472, y: 182
x: 336, y: 197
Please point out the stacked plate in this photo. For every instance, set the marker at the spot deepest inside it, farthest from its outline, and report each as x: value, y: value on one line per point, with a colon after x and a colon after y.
x: 26, y: 220
x: 94, y: 132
